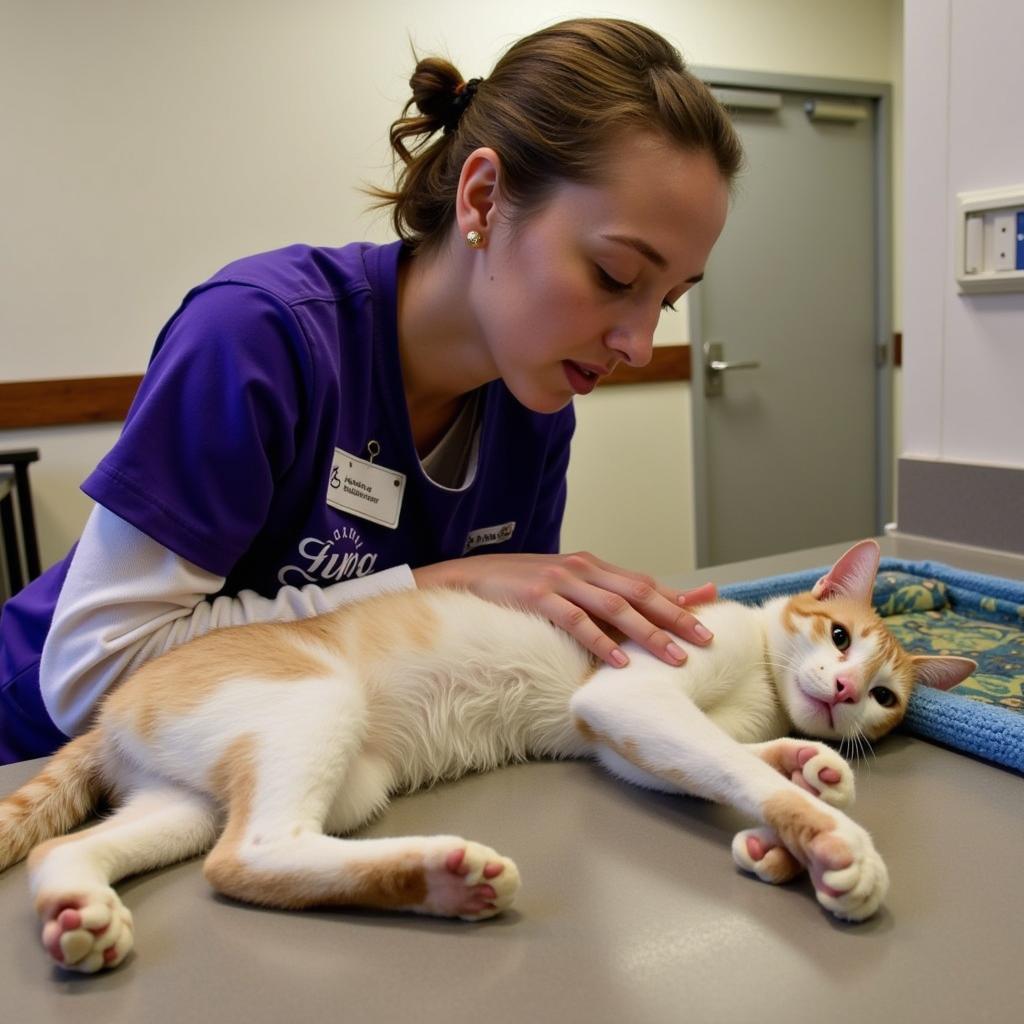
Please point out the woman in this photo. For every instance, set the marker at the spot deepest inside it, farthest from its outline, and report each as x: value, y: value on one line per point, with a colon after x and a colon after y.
x: 321, y: 424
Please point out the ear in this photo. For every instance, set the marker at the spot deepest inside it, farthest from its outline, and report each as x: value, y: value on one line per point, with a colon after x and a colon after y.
x: 941, y: 672
x: 853, y: 575
x: 478, y: 194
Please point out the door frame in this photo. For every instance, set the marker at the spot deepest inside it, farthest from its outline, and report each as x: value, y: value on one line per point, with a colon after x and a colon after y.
x: 879, y: 94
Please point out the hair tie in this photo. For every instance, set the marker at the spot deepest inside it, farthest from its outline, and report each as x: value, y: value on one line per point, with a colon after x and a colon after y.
x: 461, y: 99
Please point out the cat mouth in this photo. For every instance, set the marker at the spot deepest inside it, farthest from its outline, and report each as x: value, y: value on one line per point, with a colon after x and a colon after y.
x: 824, y: 707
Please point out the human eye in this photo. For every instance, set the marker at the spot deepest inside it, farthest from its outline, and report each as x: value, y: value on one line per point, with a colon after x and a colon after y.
x: 609, y: 283
x: 668, y: 305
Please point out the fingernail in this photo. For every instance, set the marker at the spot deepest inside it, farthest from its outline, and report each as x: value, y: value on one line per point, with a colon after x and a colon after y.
x: 702, y: 632
x: 619, y: 658
x: 674, y: 651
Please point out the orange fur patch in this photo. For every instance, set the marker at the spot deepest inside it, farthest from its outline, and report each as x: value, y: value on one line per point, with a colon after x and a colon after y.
x: 797, y: 819
x: 60, y: 797
x: 180, y: 681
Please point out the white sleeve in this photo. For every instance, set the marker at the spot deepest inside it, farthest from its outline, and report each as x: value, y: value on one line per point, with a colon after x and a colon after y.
x: 127, y: 598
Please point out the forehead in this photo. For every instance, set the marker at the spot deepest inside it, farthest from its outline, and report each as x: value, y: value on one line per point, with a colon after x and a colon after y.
x: 674, y: 200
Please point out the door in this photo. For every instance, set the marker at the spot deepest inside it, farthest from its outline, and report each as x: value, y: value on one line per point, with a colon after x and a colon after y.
x: 787, y: 451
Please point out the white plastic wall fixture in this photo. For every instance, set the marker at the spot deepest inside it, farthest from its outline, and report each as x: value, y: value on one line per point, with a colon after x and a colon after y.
x: 990, y: 240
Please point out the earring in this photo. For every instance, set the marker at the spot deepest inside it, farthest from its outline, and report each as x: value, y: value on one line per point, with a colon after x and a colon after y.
x: 474, y: 239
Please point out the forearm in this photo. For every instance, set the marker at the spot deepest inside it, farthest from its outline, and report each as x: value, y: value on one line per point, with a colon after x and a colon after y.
x: 127, y: 599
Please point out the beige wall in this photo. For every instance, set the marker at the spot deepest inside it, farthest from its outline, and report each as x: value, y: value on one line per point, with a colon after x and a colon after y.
x: 150, y: 143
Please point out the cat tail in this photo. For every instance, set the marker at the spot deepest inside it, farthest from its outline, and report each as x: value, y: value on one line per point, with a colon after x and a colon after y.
x: 60, y: 797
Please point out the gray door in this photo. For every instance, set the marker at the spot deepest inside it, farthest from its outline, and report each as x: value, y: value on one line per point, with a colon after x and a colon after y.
x: 787, y: 451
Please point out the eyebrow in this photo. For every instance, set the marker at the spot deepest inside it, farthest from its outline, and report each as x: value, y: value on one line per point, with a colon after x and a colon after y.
x: 648, y: 252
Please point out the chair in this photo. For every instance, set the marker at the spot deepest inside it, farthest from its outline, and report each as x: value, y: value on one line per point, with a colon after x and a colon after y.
x: 21, y: 548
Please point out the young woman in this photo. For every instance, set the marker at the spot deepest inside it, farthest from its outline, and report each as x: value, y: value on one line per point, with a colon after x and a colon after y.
x: 320, y: 424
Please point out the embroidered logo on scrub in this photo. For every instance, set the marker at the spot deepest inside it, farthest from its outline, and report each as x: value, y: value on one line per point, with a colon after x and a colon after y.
x: 325, y: 562
x: 489, y: 535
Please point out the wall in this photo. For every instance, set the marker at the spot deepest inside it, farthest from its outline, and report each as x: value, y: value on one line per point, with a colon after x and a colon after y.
x: 152, y: 143
x: 963, y: 355
x: 962, y: 465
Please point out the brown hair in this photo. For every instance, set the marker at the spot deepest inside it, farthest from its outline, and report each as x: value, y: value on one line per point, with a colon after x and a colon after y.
x: 548, y: 109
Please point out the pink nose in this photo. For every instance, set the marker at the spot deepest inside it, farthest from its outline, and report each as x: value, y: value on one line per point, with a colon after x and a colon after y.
x: 846, y: 691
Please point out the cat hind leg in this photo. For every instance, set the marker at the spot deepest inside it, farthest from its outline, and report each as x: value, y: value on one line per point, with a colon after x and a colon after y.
x: 86, y: 926
x: 284, y: 797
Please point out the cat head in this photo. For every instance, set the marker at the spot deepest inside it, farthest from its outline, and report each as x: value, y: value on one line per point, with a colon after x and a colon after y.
x: 840, y: 673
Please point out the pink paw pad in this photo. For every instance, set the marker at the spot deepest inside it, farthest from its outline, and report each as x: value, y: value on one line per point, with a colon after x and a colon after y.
x: 827, y: 775
x: 756, y: 848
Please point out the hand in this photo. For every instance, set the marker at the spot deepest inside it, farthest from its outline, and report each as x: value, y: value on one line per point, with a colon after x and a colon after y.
x: 574, y: 590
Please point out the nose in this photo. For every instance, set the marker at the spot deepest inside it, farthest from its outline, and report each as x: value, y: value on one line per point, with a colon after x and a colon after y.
x: 846, y: 690
x: 634, y: 341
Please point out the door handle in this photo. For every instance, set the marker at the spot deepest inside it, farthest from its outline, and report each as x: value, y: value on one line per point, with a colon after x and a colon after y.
x: 715, y: 366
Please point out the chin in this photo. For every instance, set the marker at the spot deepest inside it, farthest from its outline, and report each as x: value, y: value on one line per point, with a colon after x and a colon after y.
x: 541, y: 402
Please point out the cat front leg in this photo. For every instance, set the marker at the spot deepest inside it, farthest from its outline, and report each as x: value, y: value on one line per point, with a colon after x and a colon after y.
x: 811, y: 765
x: 648, y: 722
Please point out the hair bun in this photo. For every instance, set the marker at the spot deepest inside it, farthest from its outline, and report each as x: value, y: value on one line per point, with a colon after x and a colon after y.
x: 434, y: 84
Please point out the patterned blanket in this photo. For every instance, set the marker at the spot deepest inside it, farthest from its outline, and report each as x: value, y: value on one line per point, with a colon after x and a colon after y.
x: 935, y: 609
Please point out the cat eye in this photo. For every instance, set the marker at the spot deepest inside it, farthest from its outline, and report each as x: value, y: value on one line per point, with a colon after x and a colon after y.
x: 884, y: 696
x: 840, y: 637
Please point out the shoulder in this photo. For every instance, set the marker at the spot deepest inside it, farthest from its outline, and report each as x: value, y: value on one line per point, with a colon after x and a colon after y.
x: 303, y: 273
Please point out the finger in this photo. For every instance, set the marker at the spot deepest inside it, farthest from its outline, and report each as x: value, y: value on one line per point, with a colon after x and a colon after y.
x: 704, y: 594
x: 594, y: 569
x: 655, y: 610
x: 616, y: 610
x: 581, y: 627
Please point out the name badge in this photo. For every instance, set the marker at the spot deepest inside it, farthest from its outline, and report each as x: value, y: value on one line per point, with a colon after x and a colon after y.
x: 364, y: 489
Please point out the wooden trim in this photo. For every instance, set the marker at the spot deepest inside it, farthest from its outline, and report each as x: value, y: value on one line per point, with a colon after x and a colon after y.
x: 58, y: 403
x: 53, y: 403
x: 668, y: 362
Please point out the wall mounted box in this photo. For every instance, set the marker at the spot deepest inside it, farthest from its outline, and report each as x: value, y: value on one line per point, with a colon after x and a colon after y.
x: 990, y: 240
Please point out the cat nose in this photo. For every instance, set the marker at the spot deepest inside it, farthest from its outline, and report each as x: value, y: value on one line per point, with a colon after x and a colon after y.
x: 846, y: 690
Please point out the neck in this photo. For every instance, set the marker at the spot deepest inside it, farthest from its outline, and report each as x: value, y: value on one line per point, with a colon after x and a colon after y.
x: 440, y: 344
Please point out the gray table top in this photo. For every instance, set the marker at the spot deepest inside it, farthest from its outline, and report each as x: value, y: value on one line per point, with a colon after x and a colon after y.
x: 631, y: 908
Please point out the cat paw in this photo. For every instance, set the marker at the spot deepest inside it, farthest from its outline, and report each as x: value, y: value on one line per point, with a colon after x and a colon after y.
x: 826, y: 774
x: 850, y: 878
x: 814, y: 767
x: 468, y: 880
x: 86, y: 931
x: 760, y: 851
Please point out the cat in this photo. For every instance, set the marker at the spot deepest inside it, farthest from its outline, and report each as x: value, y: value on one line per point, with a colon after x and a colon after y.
x: 265, y: 742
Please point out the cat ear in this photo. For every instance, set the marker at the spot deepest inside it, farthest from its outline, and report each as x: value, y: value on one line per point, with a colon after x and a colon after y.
x: 853, y: 575
x: 941, y: 672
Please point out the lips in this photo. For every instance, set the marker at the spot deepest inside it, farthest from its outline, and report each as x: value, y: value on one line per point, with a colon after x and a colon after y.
x: 582, y: 377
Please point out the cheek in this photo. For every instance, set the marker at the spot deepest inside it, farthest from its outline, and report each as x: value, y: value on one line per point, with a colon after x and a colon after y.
x: 551, y: 290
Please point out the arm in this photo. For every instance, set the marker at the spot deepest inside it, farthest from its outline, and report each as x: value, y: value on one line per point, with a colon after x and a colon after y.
x: 127, y: 598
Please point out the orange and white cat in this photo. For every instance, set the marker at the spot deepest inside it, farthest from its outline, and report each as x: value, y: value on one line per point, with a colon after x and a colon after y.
x: 268, y: 741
